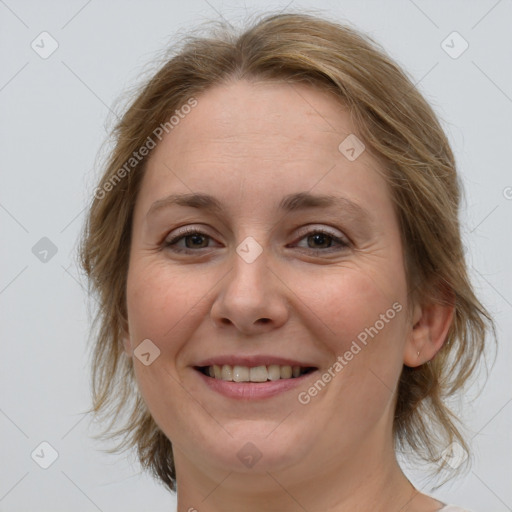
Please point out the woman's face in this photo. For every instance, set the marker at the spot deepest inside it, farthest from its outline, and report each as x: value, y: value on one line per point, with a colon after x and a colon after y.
x: 269, y: 280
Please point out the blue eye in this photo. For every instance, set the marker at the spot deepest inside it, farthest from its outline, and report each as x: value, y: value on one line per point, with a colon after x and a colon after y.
x: 196, y: 240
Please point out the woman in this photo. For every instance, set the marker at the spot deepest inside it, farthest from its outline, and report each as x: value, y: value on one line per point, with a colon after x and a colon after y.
x: 284, y: 299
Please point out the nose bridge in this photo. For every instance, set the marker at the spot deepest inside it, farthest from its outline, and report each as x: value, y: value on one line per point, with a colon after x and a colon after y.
x: 252, y: 255
x: 248, y: 279
x: 250, y: 297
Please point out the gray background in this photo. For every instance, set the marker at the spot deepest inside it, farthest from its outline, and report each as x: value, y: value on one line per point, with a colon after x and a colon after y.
x: 54, y: 117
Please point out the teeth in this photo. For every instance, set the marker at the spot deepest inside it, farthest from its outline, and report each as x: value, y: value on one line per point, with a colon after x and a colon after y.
x: 274, y: 372
x: 286, y: 372
x: 240, y: 373
x: 226, y: 372
x: 255, y: 374
x: 258, y: 374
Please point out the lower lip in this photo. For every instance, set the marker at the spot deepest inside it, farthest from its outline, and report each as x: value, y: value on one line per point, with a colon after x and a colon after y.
x: 253, y: 390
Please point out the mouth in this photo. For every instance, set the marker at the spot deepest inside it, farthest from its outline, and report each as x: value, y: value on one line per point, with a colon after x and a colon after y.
x: 253, y: 378
x: 254, y: 374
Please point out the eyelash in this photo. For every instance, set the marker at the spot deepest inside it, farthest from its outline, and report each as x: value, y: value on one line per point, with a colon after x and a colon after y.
x: 170, y: 244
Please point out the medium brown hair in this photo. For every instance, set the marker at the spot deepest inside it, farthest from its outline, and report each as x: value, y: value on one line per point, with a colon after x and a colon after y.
x: 392, y: 119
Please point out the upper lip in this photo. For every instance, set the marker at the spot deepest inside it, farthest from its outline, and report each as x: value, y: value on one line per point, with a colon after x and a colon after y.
x: 251, y: 361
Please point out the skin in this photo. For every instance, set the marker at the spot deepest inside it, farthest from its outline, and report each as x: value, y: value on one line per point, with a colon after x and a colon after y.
x: 249, y: 144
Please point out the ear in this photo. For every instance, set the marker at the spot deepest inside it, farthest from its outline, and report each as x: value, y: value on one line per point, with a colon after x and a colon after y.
x: 431, y: 323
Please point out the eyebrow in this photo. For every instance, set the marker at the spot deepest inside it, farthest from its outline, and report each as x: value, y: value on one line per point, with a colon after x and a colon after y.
x: 289, y: 203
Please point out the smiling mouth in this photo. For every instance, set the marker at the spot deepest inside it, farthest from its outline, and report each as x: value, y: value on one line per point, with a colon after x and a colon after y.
x: 262, y: 373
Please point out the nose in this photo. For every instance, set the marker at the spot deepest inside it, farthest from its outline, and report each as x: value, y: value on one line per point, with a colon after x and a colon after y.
x: 252, y: 298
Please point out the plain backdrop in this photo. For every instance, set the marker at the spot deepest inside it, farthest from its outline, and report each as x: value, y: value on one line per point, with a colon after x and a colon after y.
x: 55, y: 113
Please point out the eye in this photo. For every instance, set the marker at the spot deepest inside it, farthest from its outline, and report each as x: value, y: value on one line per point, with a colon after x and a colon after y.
x: 321, y: 240
x: 193, y: 238
x: 317, y: 240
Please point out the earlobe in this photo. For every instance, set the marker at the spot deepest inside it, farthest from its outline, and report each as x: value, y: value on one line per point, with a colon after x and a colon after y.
x: 428, y: 333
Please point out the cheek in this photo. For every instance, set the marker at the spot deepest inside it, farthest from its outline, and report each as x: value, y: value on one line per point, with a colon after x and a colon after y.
x: 360, y: 317
x: 348, y: 302
x: 160, y: 302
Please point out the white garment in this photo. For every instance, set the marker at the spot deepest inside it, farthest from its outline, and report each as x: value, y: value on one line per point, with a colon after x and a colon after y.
x: 452, y: 508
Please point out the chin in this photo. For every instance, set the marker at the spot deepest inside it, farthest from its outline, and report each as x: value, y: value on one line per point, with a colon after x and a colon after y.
x: 257, y: 447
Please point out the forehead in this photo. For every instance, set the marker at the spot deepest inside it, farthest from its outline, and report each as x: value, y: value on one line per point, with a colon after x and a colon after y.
x: 269, y: 113
x: 260, y: 140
